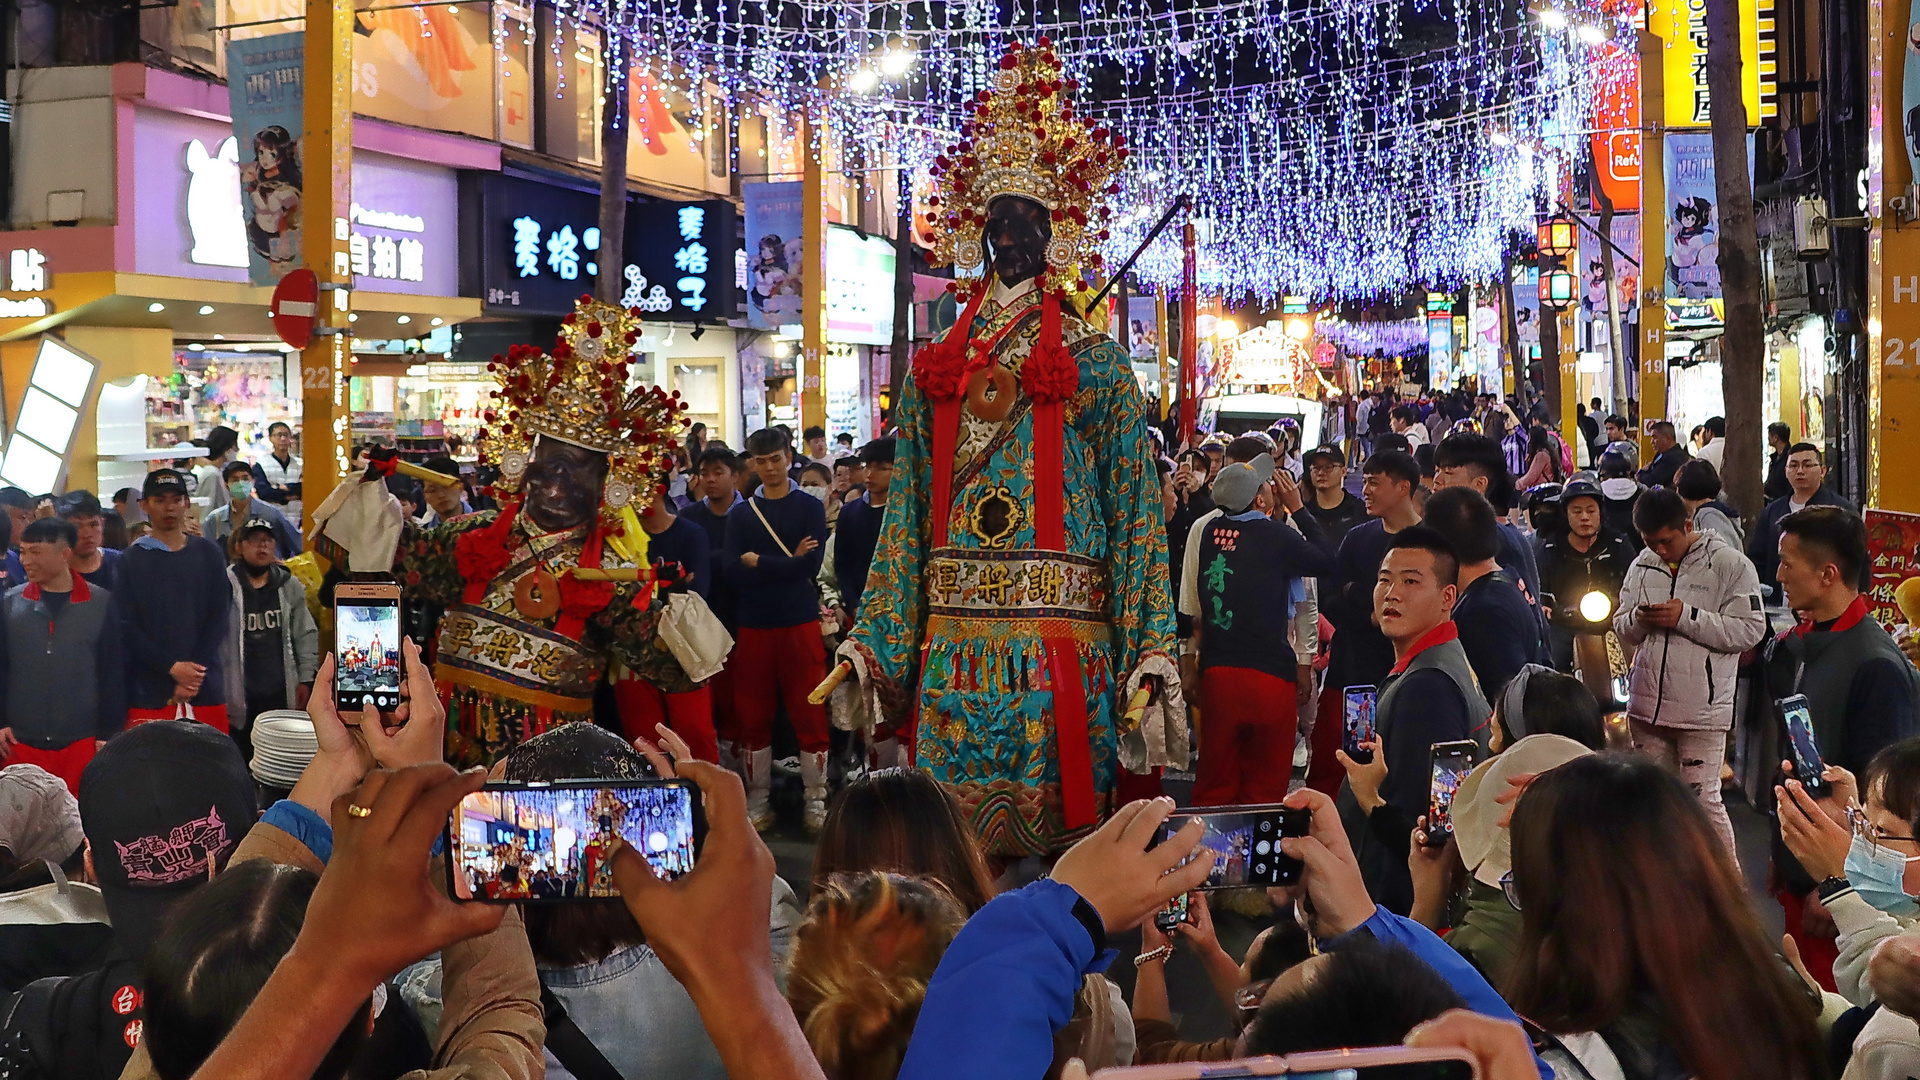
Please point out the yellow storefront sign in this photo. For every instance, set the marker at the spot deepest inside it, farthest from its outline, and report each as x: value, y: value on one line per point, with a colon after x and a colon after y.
x: 1682, y: 24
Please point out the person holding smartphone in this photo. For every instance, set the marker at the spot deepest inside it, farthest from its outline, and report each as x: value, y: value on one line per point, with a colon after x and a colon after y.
x: 1429, y: 696
x: 1690, y: 605
x: 1861, y: 691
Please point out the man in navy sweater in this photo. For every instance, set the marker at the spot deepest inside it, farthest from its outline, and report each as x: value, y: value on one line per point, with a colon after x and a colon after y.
x: 172, y: 598
x: 772, y: 555
x: 716, y: 492
x: 1498, y: 627
x: 683, y: 705
x: 858, y: 531
x: 1251, y: 572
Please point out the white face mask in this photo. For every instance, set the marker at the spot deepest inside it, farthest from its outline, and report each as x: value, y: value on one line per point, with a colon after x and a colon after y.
x: 815, y: 490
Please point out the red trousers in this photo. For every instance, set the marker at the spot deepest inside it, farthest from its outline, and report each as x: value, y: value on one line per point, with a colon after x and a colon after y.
x: 644, y: 706
x: 1247, y: 720
x: 1324, y: 771
x: 771, y: 666
x: 726, y: 719
x: 214, y: 716
x: 67, y: 763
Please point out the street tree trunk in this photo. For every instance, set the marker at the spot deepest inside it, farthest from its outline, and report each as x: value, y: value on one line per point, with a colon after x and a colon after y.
x: 1549, y: 362
x: 1510, y: 333
x: 609, y: 284
x: 1743, y: 348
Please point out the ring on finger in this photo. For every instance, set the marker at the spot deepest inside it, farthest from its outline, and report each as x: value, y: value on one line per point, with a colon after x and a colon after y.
x: 356, y: 810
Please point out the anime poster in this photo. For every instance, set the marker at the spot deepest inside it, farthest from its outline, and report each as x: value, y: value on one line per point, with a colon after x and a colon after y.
x: 1595, y: 328
x: 1526, y: 309
x: 1143, y: 327
x: 264, y: 85
x: 775, y: 256
x: 1692, y: 218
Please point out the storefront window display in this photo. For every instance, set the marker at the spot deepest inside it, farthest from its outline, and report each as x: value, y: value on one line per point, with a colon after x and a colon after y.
x: 242, y: 386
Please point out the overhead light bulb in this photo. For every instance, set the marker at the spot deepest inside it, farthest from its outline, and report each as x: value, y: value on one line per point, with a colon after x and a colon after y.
x: 1226, y: 330
x: 242, y: 347
x: 863, y: 81
x: 1591, y: 34
x: 1299, y: 329
x: 206, y: 309
x: 404, y: 320
x: 896, y: 61
x: 1501, y: 138
x: 1552, y: 19
x: 156, y: 307
x: 196, y: 346
x: 354, y: 317
x: 437, y: 321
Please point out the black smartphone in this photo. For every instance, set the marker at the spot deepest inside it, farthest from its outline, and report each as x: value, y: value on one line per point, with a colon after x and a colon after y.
x: 1245, y: 843
x: 366, y: 618
x: 1359, y: 728
x: 1172, y: 915
x: 1450, y: 762
x: 554, y: 843
x: 1808, y: 766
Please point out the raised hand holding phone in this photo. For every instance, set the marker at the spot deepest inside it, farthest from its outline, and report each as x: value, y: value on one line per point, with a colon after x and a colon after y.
x: 415, y: 731
x: 342, y: 760
x: 1123, y: 874
x: 1331, y: 881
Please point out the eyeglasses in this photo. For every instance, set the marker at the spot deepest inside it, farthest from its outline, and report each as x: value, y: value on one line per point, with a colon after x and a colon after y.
x: 1506, y: 886
x: 1247, y: 999
x: 1865, y: 829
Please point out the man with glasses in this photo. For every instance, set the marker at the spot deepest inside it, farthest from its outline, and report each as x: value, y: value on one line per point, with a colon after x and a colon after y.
x: 1807, y: 476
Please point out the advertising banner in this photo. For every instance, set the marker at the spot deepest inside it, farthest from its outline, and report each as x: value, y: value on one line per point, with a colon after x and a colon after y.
x: 1692, y: 226
x: 267, y: 95
x: 1683, y: 25
x: 539, y: 244
x: 1596, y: 330
x: 1893, y: 554
x: 774, y: 253
x: 1616, y: 122
x: 859, y: 287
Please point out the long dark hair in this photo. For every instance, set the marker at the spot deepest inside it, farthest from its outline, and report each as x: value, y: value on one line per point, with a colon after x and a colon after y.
x: 901, y: 821
x: 1630, y: 901
x: 212, y: 956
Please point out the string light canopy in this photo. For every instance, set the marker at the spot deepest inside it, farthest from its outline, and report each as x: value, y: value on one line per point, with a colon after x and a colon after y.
x: 1341, y: 149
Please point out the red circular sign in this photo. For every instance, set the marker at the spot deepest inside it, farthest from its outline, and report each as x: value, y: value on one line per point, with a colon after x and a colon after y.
x: 296, y: 302
x: 126, y: 999
x: 132, y: 1033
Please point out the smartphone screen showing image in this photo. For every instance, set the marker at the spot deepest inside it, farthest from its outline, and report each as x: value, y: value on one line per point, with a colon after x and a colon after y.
x: 516, y: 843
x: 1245, y: 843
x: 367, y: 652
x: 1807, y: 763
x: 1451, y: 762
x: 1360, y: 702
x: 1172, y: 915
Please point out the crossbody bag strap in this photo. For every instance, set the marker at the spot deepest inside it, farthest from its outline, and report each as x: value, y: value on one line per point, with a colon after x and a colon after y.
x: 754, y: 504
x: 570, y: 1046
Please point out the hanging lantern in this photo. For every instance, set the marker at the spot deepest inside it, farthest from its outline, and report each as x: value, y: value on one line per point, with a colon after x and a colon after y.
x: 1558, y: 288
x: 1558, y: 236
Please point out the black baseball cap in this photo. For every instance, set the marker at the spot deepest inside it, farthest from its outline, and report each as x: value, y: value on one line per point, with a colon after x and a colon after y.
x: 1326, y: 450
x: 253, y: 524
x: 160, y: 803
x: 165, y: 482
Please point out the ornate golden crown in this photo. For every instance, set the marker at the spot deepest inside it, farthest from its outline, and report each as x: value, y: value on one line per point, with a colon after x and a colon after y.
x: 1024, y: 139
x: 577, y: 393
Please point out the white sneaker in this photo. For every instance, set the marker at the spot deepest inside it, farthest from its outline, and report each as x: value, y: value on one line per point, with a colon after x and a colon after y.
x: 759, y: 764
x: 788, y: 766
x: 1302, y: 754
x: 813, y: 776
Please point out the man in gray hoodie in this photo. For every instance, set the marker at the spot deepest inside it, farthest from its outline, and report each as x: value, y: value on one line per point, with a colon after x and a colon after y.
x: 273, y: 653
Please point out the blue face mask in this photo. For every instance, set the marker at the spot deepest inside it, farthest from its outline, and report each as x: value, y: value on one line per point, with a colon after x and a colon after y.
x: 1879, y: 875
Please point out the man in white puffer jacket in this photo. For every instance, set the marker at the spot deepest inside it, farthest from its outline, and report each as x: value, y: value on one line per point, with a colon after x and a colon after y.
x: 1691, y: 603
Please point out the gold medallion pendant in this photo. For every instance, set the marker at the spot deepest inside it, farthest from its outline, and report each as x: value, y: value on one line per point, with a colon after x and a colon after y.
x: 537, y: 595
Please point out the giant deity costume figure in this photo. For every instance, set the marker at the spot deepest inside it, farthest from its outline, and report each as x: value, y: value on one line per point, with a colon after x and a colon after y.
x: 544, y: 596
x: 1019, y: 592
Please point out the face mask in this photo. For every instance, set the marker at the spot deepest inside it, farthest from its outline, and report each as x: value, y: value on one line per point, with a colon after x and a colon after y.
x: 815, y: 490
x: 1878, y: 875
x: 240, y: 489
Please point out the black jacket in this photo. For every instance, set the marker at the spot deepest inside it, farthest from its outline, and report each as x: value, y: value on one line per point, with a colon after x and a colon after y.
x: 1763, y: 544
x: 1569, y: 573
